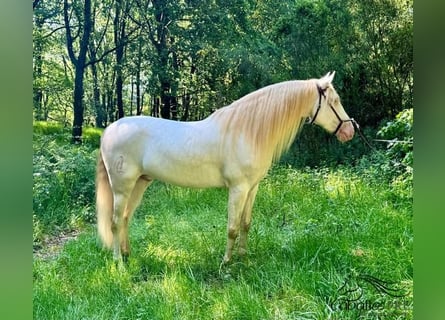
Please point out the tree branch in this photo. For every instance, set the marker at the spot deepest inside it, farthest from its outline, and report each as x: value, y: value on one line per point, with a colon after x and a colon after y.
x: 102, y: 37
x: 53, y: 31
x: 69, y: 36
x: 35, y: 3
x: 147, y: 24
x: 107, y: 52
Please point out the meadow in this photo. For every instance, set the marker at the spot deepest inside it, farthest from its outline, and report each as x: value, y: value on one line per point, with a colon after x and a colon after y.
x: 325, y: 243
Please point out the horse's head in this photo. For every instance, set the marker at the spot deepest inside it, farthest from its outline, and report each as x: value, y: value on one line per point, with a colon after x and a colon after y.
x: 328, y: 111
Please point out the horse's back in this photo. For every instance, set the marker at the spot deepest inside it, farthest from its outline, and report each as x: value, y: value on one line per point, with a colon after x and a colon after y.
x: 181, y: 153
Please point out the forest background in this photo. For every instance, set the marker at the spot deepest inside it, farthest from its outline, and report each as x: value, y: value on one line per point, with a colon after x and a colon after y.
x: 97, y: 61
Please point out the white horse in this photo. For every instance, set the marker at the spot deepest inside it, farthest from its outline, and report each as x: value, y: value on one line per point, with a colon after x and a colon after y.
x: 234, y: 148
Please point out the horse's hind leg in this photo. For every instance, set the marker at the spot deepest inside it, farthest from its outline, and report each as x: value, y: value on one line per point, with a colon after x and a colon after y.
x: 237, y: 200
x: 132, y: 203
x: 246, y: 219
x: 119, y: 205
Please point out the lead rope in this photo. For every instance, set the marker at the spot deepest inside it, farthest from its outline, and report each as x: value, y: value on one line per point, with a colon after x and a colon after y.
x: 368, y: 143
x: 362, y: 136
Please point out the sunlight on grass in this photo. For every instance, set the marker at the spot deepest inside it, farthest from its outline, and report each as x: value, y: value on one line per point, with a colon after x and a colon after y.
x: 337, y: 185
x: 289, y: 303
x: 220, y: 309
x: 168, y: 255
x: 47, y: 127
x: 174, y: 288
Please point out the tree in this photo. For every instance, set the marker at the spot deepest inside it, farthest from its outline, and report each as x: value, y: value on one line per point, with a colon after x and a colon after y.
x: 79, y: 61
x: 385, y: 48
x: 38, y: 66
x: 120, y: 37
x: 43, y: 40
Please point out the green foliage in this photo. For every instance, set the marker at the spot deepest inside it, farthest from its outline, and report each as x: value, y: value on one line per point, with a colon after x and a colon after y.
x: 314, y: 148
x: 91, y: 136
x: 311, y: 230
x: 62, y: 135
x: 395, y: 163
x: 200, y: 55
x: 63, y: 174
x: 400, y: 132
x: 37, y: 231
x: 46, y: 128
x: 400, y: 150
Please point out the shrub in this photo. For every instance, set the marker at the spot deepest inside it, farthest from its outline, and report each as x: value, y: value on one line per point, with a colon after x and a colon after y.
x: 400, y: 150
x: 63, y: 188
x: 395, y: 162
x: 400, y: 132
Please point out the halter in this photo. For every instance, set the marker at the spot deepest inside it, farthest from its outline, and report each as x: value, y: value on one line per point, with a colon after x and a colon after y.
x: 321, y: 93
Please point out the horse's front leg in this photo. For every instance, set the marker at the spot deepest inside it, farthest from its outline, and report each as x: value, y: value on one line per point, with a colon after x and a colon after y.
x: 237, y: 200
x: 246, y: 219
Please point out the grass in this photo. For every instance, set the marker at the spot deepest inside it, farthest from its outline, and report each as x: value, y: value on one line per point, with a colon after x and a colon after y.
x: 90, y: 135
x: 314, y: 233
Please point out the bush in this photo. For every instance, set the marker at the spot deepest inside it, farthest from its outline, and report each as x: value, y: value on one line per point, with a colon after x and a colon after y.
x: 400, y: 132
x: 63, y: 188
x: 395, y: 163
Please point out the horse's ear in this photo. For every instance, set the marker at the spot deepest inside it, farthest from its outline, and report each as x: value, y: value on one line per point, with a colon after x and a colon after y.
x: 325, y: 81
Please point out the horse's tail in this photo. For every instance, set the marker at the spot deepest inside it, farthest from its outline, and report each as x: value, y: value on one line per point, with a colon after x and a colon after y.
x: 104, y: 203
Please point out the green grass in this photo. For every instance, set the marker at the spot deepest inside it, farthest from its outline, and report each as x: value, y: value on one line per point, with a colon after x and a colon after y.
x: 312, y: 229
x: 62, y: 135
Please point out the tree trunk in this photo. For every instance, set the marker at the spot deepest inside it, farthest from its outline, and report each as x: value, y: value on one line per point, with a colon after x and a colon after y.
x: 110, y: 107
x: 79, y: 63
x: 119, y: 99
x: 138, y: 91
x: 138, y: 78
x: 78, y: 104
x: 98, y: 107
x: 174, y: 107
x: 119, y: 36
x: 155, y: 108
x: 165, y: 100
x: 186, y: 106
x: 38, y: 63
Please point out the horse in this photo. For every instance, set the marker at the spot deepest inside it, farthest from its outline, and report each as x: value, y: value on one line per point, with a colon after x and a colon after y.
x: 232, y: 148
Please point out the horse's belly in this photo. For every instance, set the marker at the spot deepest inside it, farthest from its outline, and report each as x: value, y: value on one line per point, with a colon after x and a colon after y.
x: 202, y: 175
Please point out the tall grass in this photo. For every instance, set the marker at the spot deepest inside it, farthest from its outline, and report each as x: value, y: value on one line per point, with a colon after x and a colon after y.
x: 314, y: 233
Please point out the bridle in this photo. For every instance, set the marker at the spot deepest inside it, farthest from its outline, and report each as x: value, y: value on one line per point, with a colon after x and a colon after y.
x: 321, y: 93
x: 310, y: 120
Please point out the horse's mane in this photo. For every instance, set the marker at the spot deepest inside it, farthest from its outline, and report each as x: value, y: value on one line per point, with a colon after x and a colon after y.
x: 269, y: 118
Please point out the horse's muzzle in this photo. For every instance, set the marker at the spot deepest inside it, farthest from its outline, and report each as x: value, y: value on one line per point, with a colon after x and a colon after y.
x: 346, y: 132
